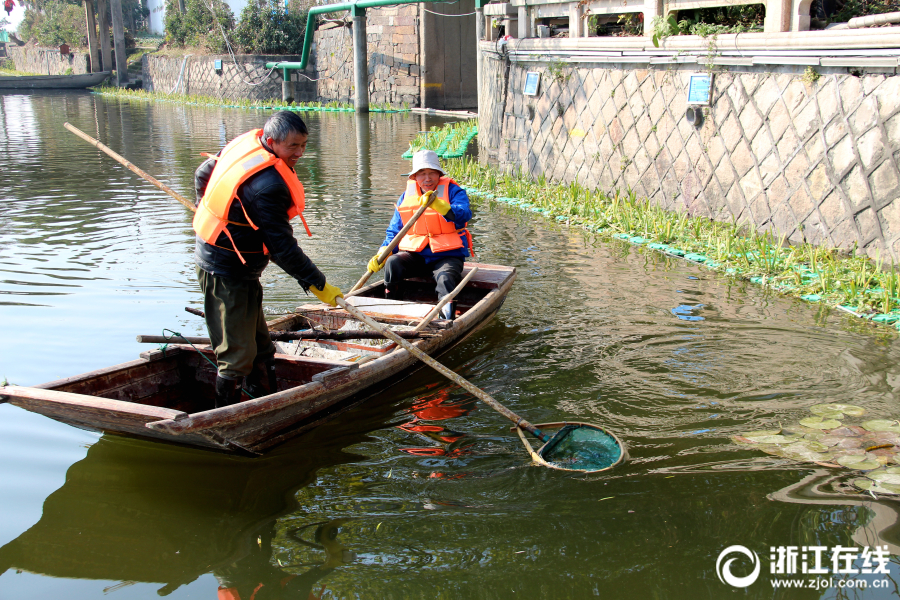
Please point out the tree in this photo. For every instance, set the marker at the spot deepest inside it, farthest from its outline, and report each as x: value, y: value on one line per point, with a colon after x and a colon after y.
x: 199, y: 26
x: 267, y: 27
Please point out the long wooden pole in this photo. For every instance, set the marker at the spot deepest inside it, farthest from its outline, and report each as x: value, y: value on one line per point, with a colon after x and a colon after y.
x: 458, y: 380
x: 389, y: 249
x: 286, y: 336
x: 130, y: 166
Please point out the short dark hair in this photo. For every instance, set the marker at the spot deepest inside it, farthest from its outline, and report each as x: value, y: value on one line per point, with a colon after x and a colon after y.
x: 282, y: 124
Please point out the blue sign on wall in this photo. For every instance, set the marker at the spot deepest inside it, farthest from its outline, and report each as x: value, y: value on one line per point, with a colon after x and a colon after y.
x: 532, y: 82
x: 700, y: 89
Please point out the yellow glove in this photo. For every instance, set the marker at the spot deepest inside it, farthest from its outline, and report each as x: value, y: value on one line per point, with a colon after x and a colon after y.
x: 374, y: 266
x: 328, y: 294
x: 440, y: 205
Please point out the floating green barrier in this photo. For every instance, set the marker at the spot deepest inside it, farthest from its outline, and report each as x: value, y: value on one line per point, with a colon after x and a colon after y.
x: 886, y: 318
x: 638, y: 240
x: 695, y: 257
x: 811, y: 297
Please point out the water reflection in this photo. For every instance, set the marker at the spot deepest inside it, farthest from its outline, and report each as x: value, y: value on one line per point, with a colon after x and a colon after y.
x: 136, y: 511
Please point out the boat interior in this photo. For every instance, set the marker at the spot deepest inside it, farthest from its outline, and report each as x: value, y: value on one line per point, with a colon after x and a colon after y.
x: 182, y: 377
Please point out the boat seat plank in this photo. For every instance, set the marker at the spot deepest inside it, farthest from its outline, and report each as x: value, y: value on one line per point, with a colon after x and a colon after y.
x: 488, y: 277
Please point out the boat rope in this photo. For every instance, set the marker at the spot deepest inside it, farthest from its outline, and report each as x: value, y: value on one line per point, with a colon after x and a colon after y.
x: 175, y: 334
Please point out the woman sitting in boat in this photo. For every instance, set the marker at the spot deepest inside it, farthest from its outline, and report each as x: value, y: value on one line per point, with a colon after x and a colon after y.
x: 438, y: 243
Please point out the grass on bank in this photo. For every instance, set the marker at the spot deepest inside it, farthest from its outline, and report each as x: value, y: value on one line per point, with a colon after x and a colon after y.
x: 274, y: 104
x: 870, y: 289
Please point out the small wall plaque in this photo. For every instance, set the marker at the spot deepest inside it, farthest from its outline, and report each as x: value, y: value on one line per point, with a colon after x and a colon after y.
x: 217, y: 66
x: 700, y: 89
x: 532, y: 83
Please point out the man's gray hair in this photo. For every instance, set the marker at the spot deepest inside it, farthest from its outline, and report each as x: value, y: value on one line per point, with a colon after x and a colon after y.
x: 282, y: 124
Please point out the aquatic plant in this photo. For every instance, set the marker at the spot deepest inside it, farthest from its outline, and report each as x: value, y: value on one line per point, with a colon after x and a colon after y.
x: 449, y: 141
x: 200, y: 100
x: 853, y: 283
x: 825, y: 439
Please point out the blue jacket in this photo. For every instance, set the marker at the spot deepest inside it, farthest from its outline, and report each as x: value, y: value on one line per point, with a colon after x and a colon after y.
x: 459, y: 213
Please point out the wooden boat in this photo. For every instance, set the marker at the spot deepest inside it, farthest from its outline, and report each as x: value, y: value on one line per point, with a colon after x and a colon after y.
x: 53, y: 82
x: 167, y: 394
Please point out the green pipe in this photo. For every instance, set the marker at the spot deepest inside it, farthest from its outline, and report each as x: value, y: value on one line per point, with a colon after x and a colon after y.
x: 357, y: 8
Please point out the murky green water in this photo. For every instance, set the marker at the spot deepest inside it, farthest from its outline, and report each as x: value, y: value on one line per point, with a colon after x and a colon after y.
x: 432, y: 493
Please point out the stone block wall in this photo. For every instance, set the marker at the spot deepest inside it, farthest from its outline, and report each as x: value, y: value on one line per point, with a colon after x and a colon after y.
x: 249, y: 79
x: 48, y: 61
x: 392, y: 36
x: 814, y: 160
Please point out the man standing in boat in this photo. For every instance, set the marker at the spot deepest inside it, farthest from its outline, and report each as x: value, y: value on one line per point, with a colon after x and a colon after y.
x: 247, y: 195
x: 438, y: 242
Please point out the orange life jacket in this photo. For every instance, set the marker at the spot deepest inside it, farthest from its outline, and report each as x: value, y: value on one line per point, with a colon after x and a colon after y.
x: 432, y: 229
x: 241, y: 158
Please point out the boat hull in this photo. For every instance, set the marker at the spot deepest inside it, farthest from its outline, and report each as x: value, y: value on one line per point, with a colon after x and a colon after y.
x: 53, y: 82
x: 167, y: 395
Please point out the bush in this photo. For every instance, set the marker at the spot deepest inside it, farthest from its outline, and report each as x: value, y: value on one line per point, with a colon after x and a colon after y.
x: 55, y: 22
x: 266, y: 27
x: 197, y: 27
x: 860, y: 8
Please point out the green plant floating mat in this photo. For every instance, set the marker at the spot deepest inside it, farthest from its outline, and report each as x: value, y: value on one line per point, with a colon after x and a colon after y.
x: 582, y: 448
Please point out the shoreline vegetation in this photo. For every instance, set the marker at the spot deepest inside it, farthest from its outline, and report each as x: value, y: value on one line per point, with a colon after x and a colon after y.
x: 200, y: 100
x: 855, y: 284
x: 816, y: 274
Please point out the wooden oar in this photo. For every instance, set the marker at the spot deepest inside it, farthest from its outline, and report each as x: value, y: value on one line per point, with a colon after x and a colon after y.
x: 472, y: 388
x: 389, y: 249
x: 286, y: 336
x: 130, y: 166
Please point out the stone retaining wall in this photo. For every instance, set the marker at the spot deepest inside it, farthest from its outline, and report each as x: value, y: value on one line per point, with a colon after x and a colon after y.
x: 48, y: 61
x: 249, y: 79
x: 393, y: 50
x: 815, y: 160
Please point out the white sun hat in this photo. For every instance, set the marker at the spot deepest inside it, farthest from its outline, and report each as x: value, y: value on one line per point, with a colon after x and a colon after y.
x: 425, y: 159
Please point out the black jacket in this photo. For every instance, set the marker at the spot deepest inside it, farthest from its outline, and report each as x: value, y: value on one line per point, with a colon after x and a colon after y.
x: 266, y: 198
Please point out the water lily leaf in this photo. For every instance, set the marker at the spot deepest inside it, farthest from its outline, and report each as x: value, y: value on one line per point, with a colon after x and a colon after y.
x: 739, y: 439
x: 886, y: 488
x: 883, y: 477
x: 773, y: 449
x: 851, y: 460
x: 882, y: 437
x: 863, y: 483
x: 820, y: 423
x: 770, y: 439
x: 882, y: 425
x: 801, y: 453
x: 829, y: 414
x: 845, y: 431
x: 829, y: 409
x: 814, y: 445
x: 866, y: 465
x: 762, y: 432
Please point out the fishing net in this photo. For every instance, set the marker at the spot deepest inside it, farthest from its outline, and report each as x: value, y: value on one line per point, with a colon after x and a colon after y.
x: 583, y: 448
